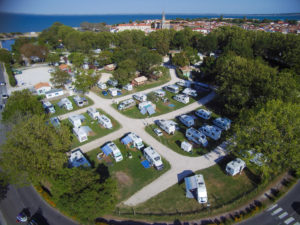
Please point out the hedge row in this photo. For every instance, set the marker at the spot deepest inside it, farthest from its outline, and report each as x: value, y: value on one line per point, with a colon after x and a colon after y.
x: 11, y: 77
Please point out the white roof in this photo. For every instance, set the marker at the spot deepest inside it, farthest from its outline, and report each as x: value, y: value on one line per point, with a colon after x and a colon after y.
x: 92, y: 110
x: 77, y: 159
x: 186, y: 117
x: 135, y: 137
x: 151, y: 152
x: 77, y: 117
x: 236, y: 164
x: 204, y: 111
x: 82, y: 131
x: 167, y: 123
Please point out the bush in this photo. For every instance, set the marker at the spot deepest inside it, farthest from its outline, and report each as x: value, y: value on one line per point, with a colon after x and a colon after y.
x: 11, y: 77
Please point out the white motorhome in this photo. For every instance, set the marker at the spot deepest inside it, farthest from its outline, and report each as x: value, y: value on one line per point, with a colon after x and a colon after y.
x: 211, y: 131
x: 48, y: 107
x: 160, y: 93
x: 190, y: 92
x: 187, y: 120
x: 115, y: 151
x: 93, y: 113
x: 78, y: 101
x: 126, y: 104
x: 105, y: 121
x: 102, y: 85
x: 140, y: 97
x: 167, y: 125
x: 128, y: 87
x: 196, y: 136
x: 82, y: 133
x: 187, y: 147
x: 134, y: 139
x: 66, y: 103
x: 235, y: 166
x: 195, y: 188
x: 76, y: 120
x: 182, y: 98
x: 113, y: 91
x: 203, y: 113
x: 172, y: 88
x: 153, y: 158
x: 223, y: 123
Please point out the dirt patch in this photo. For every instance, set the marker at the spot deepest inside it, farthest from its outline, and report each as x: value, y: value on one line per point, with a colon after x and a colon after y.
x: 123, y: 178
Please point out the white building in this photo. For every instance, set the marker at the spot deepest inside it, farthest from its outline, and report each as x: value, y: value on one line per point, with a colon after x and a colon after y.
x: 93, y: 113
x: 76, y: 120
x: 167, y: 125
x: 211, y: 131
x: 196, y: 136
x: 153, y: 158
x: 77, y: 159
x: 134, y: 26
x: 187, y: 120
x: 195, y: 188
x: 42, y: 87
x: 54, y: 93
x: 235, y: 166
x: 223, y: 123
x: 182, y: 98
x: 203, y: 113
x: 82, y: 133
x: 105, y: 121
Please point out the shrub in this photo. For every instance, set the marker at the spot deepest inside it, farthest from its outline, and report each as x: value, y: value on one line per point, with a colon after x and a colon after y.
x: 11, y: 77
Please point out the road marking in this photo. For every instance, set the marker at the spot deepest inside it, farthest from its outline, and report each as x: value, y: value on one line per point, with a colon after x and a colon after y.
x: 276, y: 211
x: 289, y: 220
x: 272, y: 207
x: 282, y: 215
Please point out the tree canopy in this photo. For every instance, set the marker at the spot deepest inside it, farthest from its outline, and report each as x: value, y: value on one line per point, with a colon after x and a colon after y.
x: 59, y: 78
x: 85, y: 80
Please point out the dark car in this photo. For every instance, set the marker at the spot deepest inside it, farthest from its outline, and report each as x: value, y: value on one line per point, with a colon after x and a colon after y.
x: 5, y: 96
x: 2, y: 83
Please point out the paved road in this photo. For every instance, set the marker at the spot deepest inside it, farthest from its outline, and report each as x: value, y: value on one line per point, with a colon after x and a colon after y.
x: 284, y: 212
x: 3, y: 89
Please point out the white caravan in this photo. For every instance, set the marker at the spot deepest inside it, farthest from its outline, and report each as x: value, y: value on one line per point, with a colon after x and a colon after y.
x: 76, y: 120
x: 187, y: 147
x: 172, y: 88
x: 235, y: 166
x: 113, y: 91
x: 190, y: 92
x: 115, y: 152
x: 78, y: 101
x: 223, y: 123
x: 195, y: 188
x: 48, y: 107
x: 102, y: 85
x: 128, y: 87
x: 105, y: 121
x: 93, y: 113
x: 211, y: 131
x: 203, y: 113
x: 126, y: 104
x: 167, y: 125
x: 160, y: 93
x: 182, y: 98
x: 153, y: 158
x: 140, y: 97
x: 66, y: 103
x: 136, y: 141
x: 187, y: 120
x: 196, y: 136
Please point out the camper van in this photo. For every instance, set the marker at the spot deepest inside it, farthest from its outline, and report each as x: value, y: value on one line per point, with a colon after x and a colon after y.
x: 160, y: 93
x: 105, y: 121
x: 78, y: 101
x: 211, y: 131
x: 172, y: 88
x: 49, y: 108
x: 115, y: 151
x: 196, y: 136
x: 203, y: 113
x: 182, y: 98
x: 167, y: 125
x: 223, y: 123
x: 140, y: 97
x: 190, y: 92
x: 187, y: 120
x: 153, y: 158
x: 101, y: 85
x: 93, y: 113
x: 235, y: 166
x: 126, y: 104
x: 134, y: 139
x: 195, y: 187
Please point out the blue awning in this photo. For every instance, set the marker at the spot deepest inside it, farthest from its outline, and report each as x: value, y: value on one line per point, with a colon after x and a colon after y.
x: 126, y: 140
x: 190, y: 185
x: 145, y: 164
x: 143, y: 111
x: 150, y: 110
x: 106, y: 150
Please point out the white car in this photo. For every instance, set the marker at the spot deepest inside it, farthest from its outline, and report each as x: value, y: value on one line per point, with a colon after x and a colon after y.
x: 158, y: 132
x: 5, y: 96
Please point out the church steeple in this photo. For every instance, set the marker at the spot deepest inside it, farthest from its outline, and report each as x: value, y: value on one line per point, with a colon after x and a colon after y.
x: 163, y: 20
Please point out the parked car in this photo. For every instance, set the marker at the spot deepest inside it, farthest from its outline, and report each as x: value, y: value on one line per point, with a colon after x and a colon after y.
x: 158, y: 132
x: 5, y: 96
x: 2, y: 83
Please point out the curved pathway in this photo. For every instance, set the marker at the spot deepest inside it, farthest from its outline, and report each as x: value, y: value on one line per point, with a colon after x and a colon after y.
x: 180, y: 165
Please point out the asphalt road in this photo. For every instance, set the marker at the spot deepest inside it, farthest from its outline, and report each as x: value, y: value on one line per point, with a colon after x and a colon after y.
x: 3, y: 89
x: 285, y: 212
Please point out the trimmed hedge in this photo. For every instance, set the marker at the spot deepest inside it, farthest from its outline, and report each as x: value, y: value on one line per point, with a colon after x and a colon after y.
x: 11, y: 77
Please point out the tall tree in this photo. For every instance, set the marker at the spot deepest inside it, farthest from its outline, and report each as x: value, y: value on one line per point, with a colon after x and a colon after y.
x: 5, y: 56
x: 146, y: 59
x: 59, y: 78
x: 85, y: 81
x: 126, y: 71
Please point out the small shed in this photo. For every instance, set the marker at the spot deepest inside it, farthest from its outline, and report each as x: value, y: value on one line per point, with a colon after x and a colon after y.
x: 139, y: 80
x: 235, y: 166
x: 187, y: 147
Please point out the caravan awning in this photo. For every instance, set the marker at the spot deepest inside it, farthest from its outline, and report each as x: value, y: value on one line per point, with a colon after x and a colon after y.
x: 190, y: 185
x: 106, y: 150
x: 143, y: 111
x: 126, y: 140
x: 150, y: 110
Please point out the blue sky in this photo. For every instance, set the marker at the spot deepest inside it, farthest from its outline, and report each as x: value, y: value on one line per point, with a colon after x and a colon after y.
x: 149, y: 6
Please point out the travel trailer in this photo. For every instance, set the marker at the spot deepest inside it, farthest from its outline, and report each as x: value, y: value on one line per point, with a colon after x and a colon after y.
x: 153, y: 158
x: 102, y: 85
x: 196, y: 136
x: 49, y: 108
x: 133, y: 139
x: 203, y: 113
x: 195, y: 188
x: 190, y: 92
x: 172, y: 88
x: 93, y: 113
x: 128, y: 87
x: 187, y: 147
x: 167, y: 125
x: 140, y: 97
x: 65, y: 103
x: 160, y: 93
x: 182, y: 98
x: 223, y: 123
x: 235, y: 166
x: 76, y: 120
x: 82, y: 133
x: 187, y: 120
x: 105, y: 121
x: 113, y: 91
x: 112, y: 148
x: 113, y: 83
x: 211, y: 131
x: 78, y: 101
x: 126, y: 104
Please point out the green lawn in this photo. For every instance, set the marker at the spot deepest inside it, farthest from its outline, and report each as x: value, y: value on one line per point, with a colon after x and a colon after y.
x: 161, y: 107
x: 174, y: 141
x: 131, y: 176
x: 223, y: 192
x: 149, y: 84
x: 61, y: 111
x: 95, y: 126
